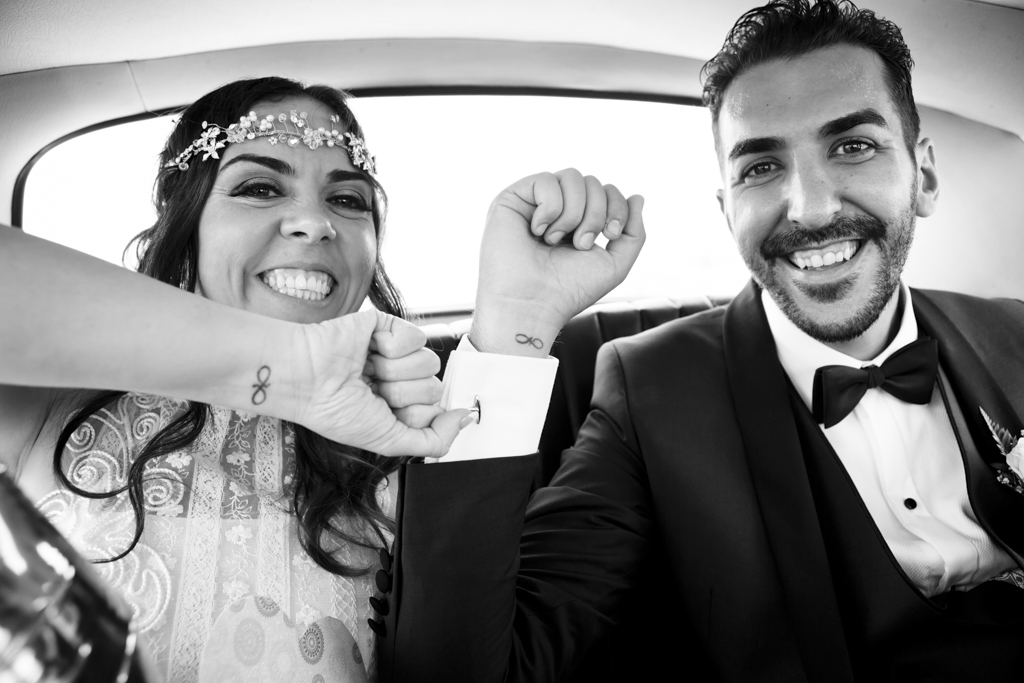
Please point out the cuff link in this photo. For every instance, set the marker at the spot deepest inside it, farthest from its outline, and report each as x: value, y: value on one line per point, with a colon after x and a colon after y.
x: 475, y: 410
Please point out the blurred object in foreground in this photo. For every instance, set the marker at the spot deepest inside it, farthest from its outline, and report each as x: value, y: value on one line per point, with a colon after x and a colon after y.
x: 58, y: 622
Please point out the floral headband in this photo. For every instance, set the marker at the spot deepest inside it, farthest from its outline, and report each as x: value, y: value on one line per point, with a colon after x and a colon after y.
x: 293, y: 130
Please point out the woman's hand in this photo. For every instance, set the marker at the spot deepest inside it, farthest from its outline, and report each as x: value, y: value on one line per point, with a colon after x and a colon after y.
x: 539, y: 265
x: 373, y: 386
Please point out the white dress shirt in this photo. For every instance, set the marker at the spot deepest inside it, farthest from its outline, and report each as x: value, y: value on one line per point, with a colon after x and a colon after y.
x: 514, y: 393
x: 905, y: 462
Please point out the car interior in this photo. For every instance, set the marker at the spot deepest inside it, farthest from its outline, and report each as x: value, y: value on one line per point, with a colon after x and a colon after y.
x: 459, y: 99
x: 479, y: 94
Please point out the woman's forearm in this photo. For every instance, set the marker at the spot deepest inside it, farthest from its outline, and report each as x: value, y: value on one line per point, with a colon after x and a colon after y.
x: 70, y: 320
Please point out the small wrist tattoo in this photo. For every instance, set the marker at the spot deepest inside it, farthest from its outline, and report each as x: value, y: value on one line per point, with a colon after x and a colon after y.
x: 262, y: 377
x: 524, y: 339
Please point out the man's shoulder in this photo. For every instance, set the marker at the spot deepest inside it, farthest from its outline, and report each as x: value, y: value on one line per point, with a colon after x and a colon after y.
x: 994, y: 328
x: 695, y: 334
x: 965, y: 309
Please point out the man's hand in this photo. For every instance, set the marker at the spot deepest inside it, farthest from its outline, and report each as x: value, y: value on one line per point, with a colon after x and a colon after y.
x: 538, y: 263
x: 373, y: 386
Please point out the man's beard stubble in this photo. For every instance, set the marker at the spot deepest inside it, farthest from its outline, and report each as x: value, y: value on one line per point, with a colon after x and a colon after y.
x: 893, y: 242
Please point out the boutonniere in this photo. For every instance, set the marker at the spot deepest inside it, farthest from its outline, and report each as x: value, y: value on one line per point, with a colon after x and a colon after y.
x: 1012, y: 447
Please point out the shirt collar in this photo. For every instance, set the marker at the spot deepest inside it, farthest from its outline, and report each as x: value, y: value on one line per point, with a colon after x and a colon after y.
x: 801, y: 355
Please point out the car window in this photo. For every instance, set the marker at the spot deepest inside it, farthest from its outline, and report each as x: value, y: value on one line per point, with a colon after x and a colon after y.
x: 442, y: 158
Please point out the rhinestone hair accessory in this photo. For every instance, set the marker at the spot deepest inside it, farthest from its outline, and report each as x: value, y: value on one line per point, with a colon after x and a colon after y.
x: 290, y: 129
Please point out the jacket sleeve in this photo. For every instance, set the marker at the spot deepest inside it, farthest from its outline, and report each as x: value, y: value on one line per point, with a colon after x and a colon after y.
x: 479, y: 596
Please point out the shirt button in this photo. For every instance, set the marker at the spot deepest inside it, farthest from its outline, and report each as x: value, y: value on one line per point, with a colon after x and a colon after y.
x: 910, y: 503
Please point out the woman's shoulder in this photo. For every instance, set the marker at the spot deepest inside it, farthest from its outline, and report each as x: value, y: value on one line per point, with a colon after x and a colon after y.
x: 108, y: 429
x: 31, y: 422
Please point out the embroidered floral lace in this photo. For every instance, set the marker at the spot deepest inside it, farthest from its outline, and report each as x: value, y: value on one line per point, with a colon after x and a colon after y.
x: 221, y: 589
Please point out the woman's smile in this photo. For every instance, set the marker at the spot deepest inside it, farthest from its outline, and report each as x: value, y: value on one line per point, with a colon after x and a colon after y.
x: 309, y: 285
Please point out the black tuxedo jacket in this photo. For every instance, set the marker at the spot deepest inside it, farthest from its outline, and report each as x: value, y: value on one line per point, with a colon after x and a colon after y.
x: 686, y: 499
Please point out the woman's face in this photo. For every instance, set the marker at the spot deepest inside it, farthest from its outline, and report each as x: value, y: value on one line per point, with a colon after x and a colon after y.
x: 288, y: 232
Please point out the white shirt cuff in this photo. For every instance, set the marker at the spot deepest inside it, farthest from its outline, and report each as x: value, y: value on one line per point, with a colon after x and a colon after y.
x: 514, y: 393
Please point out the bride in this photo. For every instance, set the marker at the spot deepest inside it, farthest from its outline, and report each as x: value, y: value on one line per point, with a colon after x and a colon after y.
x: 231, y: 466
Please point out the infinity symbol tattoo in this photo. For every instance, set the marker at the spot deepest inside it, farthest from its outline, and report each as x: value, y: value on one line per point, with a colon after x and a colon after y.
x: 535, y: 343
x: 260, y: 395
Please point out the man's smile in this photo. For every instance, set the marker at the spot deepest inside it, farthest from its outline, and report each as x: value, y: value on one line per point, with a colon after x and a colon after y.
x: 824, y: 256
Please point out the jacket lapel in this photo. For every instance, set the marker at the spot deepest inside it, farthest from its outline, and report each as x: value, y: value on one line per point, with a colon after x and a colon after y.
x: 1000, y: 509
x: 761, y: 399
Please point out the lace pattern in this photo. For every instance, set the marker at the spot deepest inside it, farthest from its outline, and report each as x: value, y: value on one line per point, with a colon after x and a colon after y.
x: 219, y: 542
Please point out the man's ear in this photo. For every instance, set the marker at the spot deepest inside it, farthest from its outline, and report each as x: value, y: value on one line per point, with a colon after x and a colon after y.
x: 927, y: 178
x: 720, y: 195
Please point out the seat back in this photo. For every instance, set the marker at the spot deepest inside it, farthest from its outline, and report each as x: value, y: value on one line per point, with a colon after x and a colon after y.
x: 576, y: 349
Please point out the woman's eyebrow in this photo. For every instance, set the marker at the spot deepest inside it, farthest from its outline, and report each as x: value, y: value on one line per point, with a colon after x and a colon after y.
x: 339, y: 176
x: 272, y: 163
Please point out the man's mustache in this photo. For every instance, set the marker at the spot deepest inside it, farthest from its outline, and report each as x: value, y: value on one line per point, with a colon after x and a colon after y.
x: 840, y: 228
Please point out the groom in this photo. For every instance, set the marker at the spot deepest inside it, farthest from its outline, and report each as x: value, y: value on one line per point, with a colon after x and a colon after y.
x: 745, y: 502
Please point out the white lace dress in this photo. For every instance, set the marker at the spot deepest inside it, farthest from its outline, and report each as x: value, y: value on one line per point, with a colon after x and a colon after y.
x: 221, y: 589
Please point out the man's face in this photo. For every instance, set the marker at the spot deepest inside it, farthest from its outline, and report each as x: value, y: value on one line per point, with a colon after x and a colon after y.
x: 820, y: 192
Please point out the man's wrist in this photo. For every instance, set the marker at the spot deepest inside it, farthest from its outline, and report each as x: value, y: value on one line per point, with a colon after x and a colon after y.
x: 512, y: 333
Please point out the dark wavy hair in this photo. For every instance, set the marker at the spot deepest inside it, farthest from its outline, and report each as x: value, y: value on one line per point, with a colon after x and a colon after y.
x: 331, y: 480
x: 784, y: 29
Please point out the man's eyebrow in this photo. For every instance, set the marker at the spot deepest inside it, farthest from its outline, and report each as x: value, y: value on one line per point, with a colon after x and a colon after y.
x: 272, y: 163
x: 755, y: 146
x: 857, y: 118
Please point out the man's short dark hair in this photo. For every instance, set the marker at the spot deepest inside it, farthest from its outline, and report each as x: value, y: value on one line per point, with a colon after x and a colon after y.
x: 784, y: 29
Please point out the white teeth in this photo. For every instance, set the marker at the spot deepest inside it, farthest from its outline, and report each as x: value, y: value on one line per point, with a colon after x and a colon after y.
x: 305, y: 285
x: 842, y: 252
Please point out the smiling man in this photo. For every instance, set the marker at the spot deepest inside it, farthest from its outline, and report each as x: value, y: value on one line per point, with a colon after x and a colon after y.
x: 800, y: 486
x: 823, y: 178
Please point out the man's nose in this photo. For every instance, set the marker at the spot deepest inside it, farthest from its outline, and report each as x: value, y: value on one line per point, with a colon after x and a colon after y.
x: 308, y: 221
x: 812, y: 196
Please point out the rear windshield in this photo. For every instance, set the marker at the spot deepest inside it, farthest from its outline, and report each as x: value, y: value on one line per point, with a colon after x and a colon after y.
x: 442, y: 158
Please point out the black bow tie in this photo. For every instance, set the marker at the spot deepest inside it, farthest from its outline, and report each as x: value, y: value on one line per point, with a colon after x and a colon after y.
x: 908, y: 374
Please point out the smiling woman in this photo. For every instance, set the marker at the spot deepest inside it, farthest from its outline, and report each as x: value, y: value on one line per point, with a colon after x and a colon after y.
x: 231, y: 467
x: 266, y: 205
x: 278, y: 190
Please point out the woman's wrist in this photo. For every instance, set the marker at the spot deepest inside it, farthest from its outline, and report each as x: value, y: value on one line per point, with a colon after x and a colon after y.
x: 275, y: 379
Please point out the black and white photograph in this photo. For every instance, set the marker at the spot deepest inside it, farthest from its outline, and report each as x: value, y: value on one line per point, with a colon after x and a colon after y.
x: 480, y: 341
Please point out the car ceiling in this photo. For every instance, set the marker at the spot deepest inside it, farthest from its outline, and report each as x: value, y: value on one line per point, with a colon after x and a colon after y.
x: 66, y: 64
x: 970, y: 54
